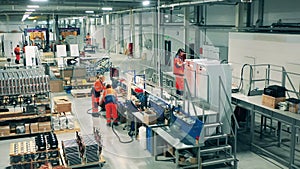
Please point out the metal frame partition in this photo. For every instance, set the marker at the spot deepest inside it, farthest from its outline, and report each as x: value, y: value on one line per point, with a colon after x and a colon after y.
x: 253, y: 104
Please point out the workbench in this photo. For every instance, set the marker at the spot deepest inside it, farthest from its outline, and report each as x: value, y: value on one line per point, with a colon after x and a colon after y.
x: 177, y: 145
x: 139, y: 117
x: 254, y: 105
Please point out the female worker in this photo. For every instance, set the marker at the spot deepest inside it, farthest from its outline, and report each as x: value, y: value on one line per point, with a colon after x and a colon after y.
x: 179, y: 71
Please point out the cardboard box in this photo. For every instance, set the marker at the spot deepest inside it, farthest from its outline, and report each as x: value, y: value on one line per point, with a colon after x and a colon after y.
x: 62, y: 104
x: 45, y: 126
x: 270, y: 101
x: 27, y: 128
x: 56, y: 86
x: 34, y: 127
x: 4, y: 130
x: 67, y: 73
x: 149, y: 117
x: 92, y: 79
x: 79, y: 72
x: 294, y: 108
x: 193, y: 160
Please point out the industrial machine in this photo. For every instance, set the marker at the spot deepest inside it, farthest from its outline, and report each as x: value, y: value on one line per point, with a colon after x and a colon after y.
x: 37, y: 38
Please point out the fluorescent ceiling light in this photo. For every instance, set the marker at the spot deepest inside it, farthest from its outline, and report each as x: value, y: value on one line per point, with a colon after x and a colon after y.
x: 33, y: 6
x: 25, y: 16
x: 30, y: 10
x: 28, y: 13
x: 89, y: 11
x: 38, y: 0
x: 146, y: 3
x: 107, y: 8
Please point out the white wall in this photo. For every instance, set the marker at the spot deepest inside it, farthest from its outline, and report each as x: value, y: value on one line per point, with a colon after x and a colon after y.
x: 220, y: 15
x: 11, y: 40
x: 263, y: 48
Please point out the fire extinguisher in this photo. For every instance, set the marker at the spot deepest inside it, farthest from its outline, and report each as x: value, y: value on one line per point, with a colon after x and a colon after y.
x: 130, y: 49
x: 103, y: 41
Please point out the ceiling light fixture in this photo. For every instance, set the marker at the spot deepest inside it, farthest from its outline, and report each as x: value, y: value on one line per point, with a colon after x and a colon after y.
x: 38, y: 0
x: 107, y: 8
x: 28, y: 13
x: 89, y: 11
x: 33, y: 6
x: 146, y: 3
x: 25, y: 16
x: 30, y: 10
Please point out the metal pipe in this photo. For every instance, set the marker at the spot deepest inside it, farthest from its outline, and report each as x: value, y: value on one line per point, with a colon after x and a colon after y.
x: 189, y: 3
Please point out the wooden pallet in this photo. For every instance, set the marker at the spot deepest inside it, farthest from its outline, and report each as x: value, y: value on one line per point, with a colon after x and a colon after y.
x: 84, y: 164
x: 76, y: 128
x: 80, y: 93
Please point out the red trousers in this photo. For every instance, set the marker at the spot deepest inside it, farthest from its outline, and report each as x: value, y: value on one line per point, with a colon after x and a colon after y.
x: 111, y: 112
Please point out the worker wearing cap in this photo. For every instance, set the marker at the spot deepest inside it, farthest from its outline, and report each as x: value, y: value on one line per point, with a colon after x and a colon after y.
x: 17, y: 52
x: 110, y: 100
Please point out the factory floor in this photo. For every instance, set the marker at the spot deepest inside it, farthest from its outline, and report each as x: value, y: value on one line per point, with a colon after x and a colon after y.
x: 132, y: 155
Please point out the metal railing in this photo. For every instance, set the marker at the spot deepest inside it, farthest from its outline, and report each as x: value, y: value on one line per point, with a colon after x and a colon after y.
x: 269, y: 69
x: 236, y: 125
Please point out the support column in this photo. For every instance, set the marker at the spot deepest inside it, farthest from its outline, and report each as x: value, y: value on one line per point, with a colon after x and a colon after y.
x: 186, y: 28
x: 155, y: 39
x: 84, y: 26
x: 199, y: 21
x: 56, y: 29
x: 261, y: 7
x: 159, y: 49
x: 132, y: 31
x: 243, y: 15
x: 48, y: 34
x: 104, y: 39
x: 140, y: 34
x: 117, y: 33
x: 121, y: 40
x: 107, y: 29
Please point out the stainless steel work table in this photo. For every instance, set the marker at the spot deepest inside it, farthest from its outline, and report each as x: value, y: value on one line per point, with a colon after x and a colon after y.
x: 139, y: 117
x: 254, y: 105
x: 176, y: 144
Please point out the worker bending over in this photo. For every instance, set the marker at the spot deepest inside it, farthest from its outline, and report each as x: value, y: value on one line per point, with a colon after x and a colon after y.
x: 96, y: 93
x: 110, y: 100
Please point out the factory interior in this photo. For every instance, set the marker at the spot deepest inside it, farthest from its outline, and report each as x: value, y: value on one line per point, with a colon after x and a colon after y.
x: 120, y: 84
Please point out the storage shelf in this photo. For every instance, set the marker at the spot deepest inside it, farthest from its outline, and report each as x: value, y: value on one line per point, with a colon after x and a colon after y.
x: 24, y: 116
x: 24, y: 134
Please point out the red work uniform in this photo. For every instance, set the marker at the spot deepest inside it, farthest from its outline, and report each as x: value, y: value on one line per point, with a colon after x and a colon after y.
x: 179, y: 74
x: 99, y: 87
x: 88, y: 39
x: 17, y: 52
x: 110, y: 99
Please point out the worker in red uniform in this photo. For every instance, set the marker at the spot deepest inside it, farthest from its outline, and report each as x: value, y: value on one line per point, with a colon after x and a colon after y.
x: 17, y: 52
x: 110, y: 100
x: 179, y: 71
x: 96, y: 93
x: 88, y: 39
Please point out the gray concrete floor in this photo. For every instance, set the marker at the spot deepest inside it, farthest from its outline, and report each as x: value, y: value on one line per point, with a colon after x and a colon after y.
x: 132, y: 155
